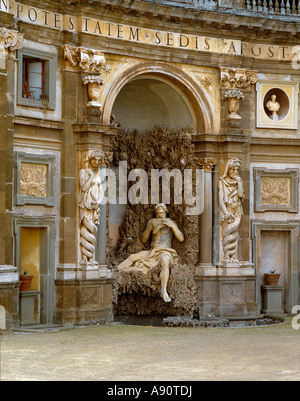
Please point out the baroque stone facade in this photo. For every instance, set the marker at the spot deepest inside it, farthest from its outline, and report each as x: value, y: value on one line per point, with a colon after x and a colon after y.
x: 90, y: 97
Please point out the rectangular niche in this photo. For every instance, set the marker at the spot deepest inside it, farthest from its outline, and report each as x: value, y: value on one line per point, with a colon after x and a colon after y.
x: 34, y: 179
x: 276, y: 190
x: 276, y: 246
x: 277, y: 104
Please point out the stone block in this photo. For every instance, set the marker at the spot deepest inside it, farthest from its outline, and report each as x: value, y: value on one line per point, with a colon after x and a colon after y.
x: 68, y: 250
x: 2, y: 251
x: 69, y: 205
x: 68, y: 185
x: 227, y: 291
x: 9, y: 299
x: 28, y: 301
x: 83, y: 302
x: 272, y: 299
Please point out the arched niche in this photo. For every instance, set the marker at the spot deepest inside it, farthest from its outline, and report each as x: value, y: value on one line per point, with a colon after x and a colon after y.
x: 147, y: 101
x: 157, y: 94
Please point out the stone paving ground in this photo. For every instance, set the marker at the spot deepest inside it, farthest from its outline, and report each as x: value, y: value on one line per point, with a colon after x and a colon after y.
x: 116, y: 352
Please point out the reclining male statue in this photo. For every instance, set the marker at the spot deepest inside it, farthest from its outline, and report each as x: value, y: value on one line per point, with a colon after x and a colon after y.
x: 161, y: 252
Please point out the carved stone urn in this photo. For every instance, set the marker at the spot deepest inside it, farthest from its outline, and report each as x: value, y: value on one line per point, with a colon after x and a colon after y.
x: 94, y: 84
x: 233, y: 97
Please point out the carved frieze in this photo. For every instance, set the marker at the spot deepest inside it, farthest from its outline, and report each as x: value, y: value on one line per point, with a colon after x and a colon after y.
x: 88, y: 60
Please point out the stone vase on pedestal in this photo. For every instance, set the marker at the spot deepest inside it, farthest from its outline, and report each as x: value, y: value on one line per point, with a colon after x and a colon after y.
x: 233, y: 97
x: 94, y: 84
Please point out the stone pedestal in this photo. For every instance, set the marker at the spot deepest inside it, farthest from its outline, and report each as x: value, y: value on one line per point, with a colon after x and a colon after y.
x: 9, y: 296
x: 28, y: 307
x: 83, y: 296
x: 227, y: 291
x: 272, y: 299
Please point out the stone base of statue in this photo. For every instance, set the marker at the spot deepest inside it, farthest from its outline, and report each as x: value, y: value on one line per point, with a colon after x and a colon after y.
x: 83, y: 295
x: 227, y: 290
x: 136, y: 293
x: 9, y: 297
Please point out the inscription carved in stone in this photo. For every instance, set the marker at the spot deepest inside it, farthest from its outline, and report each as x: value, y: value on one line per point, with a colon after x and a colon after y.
x: 34, y: 179
x: 275, y: 191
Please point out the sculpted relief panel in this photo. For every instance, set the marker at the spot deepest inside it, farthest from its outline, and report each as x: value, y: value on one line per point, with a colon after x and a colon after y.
x: 275, y: 191
x: 34, y: 179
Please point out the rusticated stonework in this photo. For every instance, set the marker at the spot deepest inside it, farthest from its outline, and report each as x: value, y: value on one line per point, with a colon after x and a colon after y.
x: 137, y: 293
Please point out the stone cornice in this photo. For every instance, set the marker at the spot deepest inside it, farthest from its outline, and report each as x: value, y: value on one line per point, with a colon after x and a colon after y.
x: 241, y: 22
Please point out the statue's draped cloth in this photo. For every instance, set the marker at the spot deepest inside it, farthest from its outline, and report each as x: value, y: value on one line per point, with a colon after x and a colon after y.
x: 230, y: 197
x: 146, y: 260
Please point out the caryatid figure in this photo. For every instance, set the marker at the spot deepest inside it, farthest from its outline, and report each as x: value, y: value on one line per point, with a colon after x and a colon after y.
x: 90, y: 196
x: 161, y: 253
x: 231, y: 195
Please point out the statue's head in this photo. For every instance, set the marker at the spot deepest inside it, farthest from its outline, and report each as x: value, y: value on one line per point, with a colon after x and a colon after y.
x: 161, y: 210
x: 232, y: 168
x: 95, y: 157
x: 273, y: 97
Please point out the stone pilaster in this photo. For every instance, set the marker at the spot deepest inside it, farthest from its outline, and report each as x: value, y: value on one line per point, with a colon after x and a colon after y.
x: 83, y: 291
x: 10, y: 41
x: 206, y: 219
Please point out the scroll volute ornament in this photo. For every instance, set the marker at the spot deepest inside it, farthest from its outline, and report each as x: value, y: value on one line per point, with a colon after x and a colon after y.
x: 11, y: 39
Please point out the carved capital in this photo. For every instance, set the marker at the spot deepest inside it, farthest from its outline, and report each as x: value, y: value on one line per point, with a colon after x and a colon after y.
x: 11, y: 39
x: 207, y: 164
x: 88, y: 60
x: 237, y: 78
